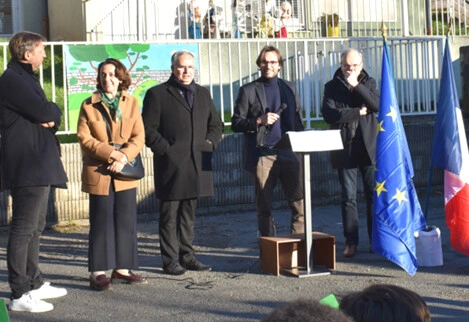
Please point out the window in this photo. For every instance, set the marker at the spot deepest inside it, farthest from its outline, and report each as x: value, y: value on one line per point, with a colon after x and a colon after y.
x: 6, y: 21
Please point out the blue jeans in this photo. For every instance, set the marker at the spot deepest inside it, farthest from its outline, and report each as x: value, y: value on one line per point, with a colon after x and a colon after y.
x: 348, y: 180
x: 29, y: 218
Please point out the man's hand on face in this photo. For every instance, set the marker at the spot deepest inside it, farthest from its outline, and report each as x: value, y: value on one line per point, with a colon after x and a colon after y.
x: 352, y: 65
x: 352, y: 77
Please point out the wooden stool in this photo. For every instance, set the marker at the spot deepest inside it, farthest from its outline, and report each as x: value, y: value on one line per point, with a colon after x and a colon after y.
x: 277, y: 253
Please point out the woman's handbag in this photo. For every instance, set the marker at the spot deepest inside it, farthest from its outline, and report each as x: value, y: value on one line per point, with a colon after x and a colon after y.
x: 132, y: 170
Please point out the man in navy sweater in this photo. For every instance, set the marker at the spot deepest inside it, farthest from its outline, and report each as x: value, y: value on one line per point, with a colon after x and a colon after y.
x: 265, y: 109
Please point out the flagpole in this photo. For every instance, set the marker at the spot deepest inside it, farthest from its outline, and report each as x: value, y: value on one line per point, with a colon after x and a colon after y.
x: 450, y: 26
x: 384, y: 31
x: 430, y: 175
x: 429, y: 188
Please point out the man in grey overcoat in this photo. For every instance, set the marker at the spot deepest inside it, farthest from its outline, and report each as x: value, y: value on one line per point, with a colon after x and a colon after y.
x: 182, y: 128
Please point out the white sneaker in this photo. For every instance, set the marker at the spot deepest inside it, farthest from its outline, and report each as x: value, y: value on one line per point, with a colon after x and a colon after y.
x: 46, y: 291
x: 28, y: 303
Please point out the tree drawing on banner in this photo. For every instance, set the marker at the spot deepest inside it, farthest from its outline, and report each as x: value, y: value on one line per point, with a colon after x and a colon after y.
x: 82, y: 72
x: 148, y: 65
x: 91, y: 55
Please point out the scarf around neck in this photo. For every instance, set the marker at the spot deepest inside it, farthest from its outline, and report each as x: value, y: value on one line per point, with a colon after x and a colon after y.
x: 187, y: 90
x: 112, y: 104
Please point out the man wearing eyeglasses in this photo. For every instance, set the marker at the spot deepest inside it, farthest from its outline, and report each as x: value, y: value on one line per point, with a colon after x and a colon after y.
x: 350, y: 102
x: 182, y: 129
x: 265, y: 109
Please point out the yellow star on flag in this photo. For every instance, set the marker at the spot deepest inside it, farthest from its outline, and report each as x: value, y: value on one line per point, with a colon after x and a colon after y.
x: 392, y: 113
x: 380, y: 127
x: 380, y: 187
x: 400, y: 196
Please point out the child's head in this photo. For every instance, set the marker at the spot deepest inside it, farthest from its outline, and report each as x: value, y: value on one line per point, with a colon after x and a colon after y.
x: 385, y: 303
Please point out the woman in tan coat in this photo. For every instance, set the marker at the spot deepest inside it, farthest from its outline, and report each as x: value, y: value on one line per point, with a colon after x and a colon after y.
x: 111, y: 115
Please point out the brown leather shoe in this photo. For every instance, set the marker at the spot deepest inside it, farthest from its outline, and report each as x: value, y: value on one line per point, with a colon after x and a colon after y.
x: 100, y: 283
x: 350, y: 250
x: 127, y: 279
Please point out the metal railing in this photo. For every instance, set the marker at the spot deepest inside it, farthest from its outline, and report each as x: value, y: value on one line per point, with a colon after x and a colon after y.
x: 225, y: 65
x: 311, y: 63
x: 150, y: 20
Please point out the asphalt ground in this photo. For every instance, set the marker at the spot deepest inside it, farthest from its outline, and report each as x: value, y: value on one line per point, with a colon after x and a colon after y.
x: 236, y: 289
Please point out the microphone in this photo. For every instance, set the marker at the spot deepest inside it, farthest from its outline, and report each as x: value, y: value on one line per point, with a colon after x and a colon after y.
x: 280, y: 110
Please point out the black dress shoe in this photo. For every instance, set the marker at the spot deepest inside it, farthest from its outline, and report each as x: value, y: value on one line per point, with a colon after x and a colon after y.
x: 100, y: 283
x: 174, y: 269
x: 350, y: 250
x: 127, y: 279
x: 195, y: 265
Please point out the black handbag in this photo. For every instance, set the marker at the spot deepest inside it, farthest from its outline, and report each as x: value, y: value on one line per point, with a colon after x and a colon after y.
x: 132, y: 170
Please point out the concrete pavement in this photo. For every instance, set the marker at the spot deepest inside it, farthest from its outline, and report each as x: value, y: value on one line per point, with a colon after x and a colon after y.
x: 236, y: 289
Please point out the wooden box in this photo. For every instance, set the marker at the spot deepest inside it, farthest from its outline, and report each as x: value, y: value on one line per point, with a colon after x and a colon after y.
x: 277, y: 253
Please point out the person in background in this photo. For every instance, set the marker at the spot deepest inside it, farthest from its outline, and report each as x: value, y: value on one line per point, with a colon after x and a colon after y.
x: 30, y: 166
x: 285, y: 19
x: 265, y: 109
x: 350, y: 102
x: 214, y: 13
x: 111, y: 115
x: 195, y: 20
x: 385, y: 303
x: 182, y: 130
x: 285, y: 15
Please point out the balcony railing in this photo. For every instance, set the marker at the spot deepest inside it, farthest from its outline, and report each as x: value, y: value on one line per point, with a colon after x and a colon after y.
x: 149, y: 20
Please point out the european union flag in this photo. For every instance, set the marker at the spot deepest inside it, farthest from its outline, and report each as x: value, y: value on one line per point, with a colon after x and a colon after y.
x: 397, y: 211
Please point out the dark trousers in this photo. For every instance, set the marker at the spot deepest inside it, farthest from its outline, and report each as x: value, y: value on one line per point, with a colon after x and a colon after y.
x: 29, y: 218
x: 113, y: 231
x: 286, y: 168
x: 176, y: 228
x: 348, y: 181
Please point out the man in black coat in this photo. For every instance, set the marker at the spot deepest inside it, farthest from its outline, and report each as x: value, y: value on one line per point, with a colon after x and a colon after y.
x: 182, y: 128
x: 351, y: 100
x: 30, y: 165
x: 265, y: 109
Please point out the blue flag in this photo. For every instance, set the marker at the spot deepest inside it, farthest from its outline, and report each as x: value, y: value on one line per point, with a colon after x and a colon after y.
x: 397, y: 211
x: 447, y: 148
x: 450, y: 152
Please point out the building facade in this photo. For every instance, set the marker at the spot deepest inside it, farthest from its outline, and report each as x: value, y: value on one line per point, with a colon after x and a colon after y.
x: 151, y: 20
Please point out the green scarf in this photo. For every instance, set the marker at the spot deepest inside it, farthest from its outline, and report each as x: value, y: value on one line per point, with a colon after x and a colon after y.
x: 112, y: 104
